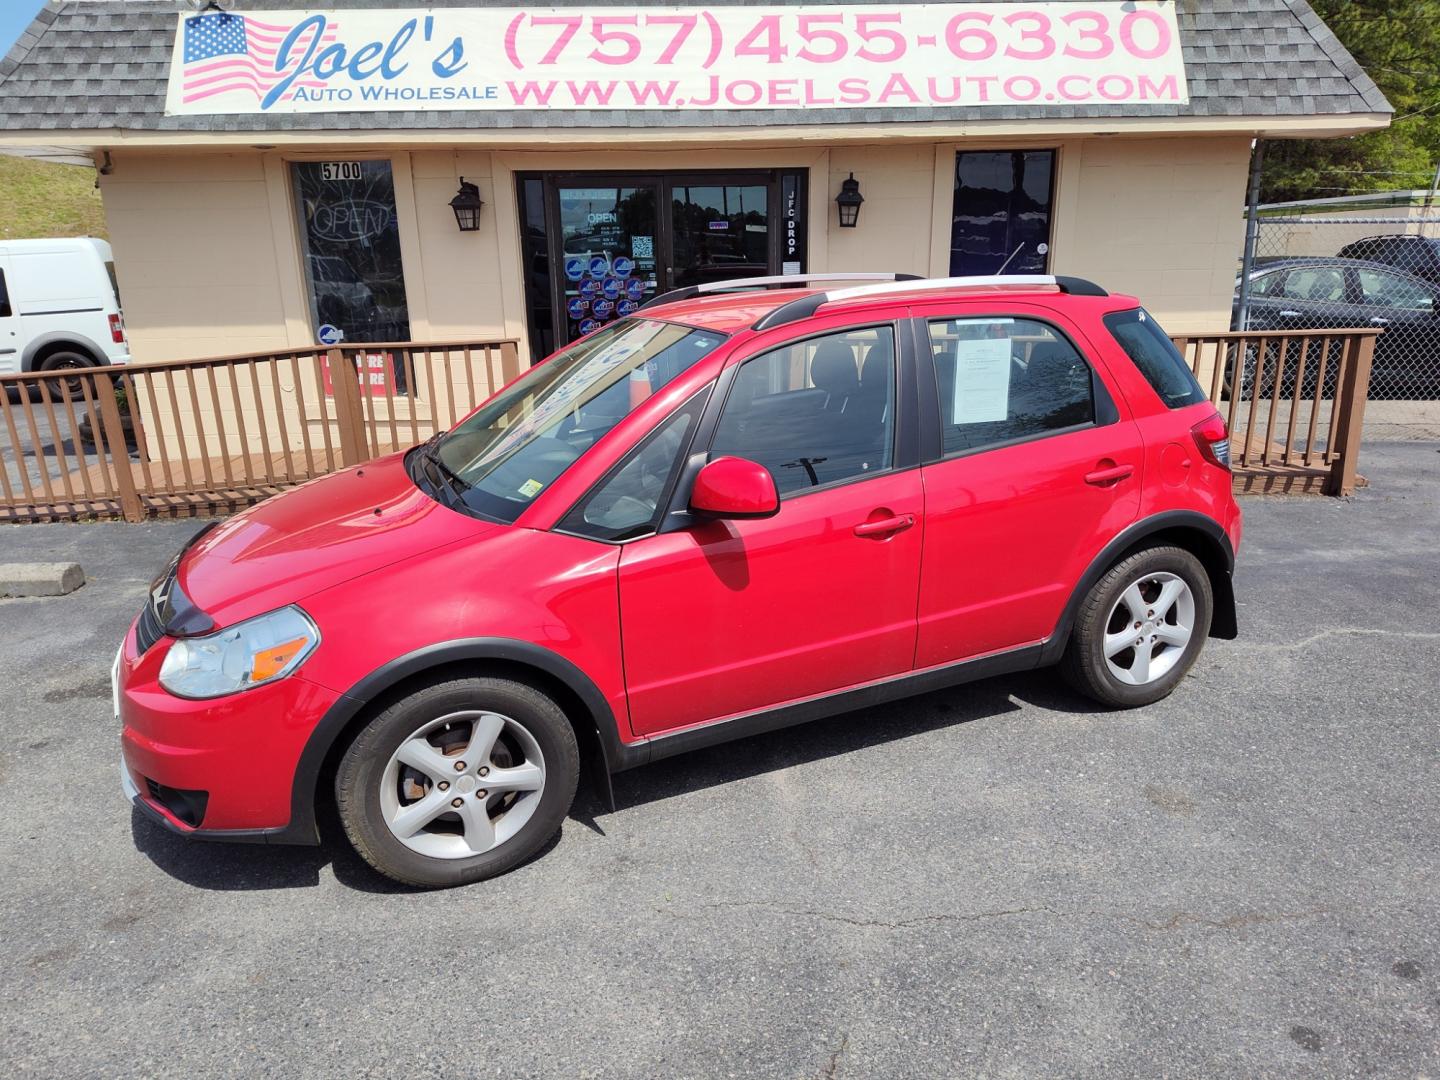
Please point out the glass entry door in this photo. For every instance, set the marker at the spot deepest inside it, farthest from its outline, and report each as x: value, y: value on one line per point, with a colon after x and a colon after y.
x: 607, y: 252
x: 598, y: 246
x: 718, y: 230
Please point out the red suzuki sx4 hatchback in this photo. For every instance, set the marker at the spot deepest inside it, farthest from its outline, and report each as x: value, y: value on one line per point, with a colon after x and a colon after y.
x: 750, y: 504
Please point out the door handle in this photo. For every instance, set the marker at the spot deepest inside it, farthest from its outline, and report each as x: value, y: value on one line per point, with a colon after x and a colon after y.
x: 879, y: 530
x: 1112, y: 474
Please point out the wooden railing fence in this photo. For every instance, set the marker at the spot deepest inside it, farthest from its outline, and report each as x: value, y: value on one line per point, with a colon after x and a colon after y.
x: 1294, y: 403
x: 205, y: 436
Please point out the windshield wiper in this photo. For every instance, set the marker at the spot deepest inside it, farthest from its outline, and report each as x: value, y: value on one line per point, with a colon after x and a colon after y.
x: 440, y: 476
x: 451, y: 477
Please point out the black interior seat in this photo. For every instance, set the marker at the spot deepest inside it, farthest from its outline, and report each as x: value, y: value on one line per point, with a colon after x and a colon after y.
x: 833, y: 370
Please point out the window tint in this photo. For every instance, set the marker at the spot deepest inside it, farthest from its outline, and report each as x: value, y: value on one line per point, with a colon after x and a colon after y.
x: 629, y: 501
x: 1156, y: 356
x: 815, y: 412
x: 1392, y: 290
x: 4, y: 298
x: 1006, y: 379
x: 1324, y: 283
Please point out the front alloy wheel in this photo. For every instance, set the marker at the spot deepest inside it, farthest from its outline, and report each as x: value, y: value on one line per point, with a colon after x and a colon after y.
x: 461, y: 780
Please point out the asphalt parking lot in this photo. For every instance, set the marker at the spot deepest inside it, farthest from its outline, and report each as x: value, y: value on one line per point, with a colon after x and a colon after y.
x: 1243, y: 880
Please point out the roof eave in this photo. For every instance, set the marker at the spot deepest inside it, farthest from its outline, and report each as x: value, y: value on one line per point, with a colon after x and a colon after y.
x: 1270, y: 127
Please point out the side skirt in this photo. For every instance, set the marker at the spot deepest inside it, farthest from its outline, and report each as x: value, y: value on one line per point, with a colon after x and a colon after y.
x: 802, y: 712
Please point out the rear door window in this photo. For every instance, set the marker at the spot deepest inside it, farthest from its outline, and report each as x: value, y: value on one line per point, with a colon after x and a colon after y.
x: 1004, y: 380
x: 1155, y: 355
x: 1391, y: 290
x: 5, y: 311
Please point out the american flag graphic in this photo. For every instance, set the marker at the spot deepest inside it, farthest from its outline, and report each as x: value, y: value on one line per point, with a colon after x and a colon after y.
x: 225, y: 53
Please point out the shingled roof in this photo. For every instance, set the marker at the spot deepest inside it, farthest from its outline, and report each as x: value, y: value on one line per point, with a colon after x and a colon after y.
x: 103, y: 64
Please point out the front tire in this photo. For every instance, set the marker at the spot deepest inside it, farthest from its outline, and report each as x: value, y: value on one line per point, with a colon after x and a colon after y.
x: 460, y: 781
x: 1140, y: 628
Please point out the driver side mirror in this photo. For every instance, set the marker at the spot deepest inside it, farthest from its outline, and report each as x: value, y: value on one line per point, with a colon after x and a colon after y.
x: 731, y: 487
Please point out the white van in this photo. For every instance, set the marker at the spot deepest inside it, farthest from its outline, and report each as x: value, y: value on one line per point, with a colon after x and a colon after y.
x: 59, y: 307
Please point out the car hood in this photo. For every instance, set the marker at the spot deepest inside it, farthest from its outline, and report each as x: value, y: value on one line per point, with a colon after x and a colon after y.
x: 316, y: 536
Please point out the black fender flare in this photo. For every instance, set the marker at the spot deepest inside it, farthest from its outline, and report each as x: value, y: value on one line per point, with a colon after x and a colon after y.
x: 1213, y: 549
x: 616, y: 754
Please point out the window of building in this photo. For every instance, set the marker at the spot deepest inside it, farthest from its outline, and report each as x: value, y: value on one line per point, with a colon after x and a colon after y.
x: 815, y: 412
x: 352, y: 249
x: 1156, y: 356
x: 1006, y: 380
x: 1001, y: 212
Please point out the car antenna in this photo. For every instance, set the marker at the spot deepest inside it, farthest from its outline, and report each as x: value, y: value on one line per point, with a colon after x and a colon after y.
x: 1011, y: 259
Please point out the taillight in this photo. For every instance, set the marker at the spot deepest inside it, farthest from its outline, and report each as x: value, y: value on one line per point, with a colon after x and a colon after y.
x: 117, y: 329
x: 1213, y: 440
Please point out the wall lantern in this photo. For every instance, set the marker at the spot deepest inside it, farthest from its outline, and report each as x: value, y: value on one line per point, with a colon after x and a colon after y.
x: 849, y: 201
x: 467, y: 204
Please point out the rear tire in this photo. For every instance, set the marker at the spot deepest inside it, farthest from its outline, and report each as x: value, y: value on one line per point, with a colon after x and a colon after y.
x: 65, y: 360
x: 1140, y: 628
x: 460, y: 781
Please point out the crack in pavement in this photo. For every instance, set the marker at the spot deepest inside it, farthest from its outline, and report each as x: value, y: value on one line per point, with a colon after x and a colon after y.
x: 1174, y: 922
x: 1339, y: 631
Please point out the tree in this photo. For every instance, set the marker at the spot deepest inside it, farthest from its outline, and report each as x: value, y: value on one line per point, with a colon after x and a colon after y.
x: 1397, y: 42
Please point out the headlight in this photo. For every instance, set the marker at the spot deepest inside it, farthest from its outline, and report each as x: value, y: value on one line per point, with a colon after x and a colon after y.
x: 250, y: 653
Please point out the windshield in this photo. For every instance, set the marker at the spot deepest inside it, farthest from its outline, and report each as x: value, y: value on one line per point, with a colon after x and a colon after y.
x: 519, y: 443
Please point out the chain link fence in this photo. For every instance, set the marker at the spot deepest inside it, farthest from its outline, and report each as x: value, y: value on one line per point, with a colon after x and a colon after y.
x: 1323, y: 271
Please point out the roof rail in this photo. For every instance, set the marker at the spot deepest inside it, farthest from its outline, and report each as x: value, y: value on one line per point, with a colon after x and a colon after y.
x: 685, y: 292
x: 805, y: 306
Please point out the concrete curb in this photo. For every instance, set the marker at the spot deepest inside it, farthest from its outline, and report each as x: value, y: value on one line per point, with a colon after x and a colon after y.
x: 40, y: 579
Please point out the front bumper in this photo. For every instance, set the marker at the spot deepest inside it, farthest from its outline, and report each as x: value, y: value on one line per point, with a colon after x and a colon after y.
x: 227, y: 764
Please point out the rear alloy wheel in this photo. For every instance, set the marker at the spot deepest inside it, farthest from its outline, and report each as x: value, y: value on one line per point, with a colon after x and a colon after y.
x: 460, y: 781
x: 1140, y: 628
x: 67, y: 361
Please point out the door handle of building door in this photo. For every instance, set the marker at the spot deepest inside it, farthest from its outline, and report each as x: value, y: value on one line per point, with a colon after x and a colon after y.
x: 879, y: 530
x: 1112, y: 474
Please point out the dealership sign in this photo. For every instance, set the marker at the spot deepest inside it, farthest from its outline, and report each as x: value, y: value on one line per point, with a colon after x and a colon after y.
x: 843, y: 56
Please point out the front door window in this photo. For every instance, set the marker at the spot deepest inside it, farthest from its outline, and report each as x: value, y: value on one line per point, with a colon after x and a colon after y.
x: 816, y: 412
x: 352, y: 251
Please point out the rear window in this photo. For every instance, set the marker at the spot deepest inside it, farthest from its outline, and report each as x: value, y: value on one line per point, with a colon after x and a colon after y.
x: 1156, y: 356
x: 4, y: 298
x: 114, y: 281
